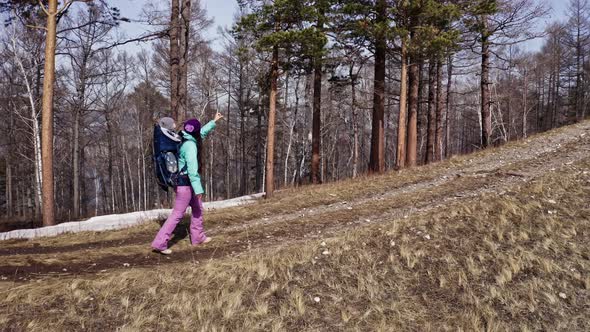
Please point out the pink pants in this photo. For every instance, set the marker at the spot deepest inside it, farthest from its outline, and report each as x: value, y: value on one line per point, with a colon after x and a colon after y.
x: 184, y: 198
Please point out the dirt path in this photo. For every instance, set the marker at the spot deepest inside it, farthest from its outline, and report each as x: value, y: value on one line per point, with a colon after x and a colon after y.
x: 493, y: 172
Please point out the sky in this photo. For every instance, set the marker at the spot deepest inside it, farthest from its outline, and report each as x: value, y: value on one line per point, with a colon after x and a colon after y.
x: 222, y: 13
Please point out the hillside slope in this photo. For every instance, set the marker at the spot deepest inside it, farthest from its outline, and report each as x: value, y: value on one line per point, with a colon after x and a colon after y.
x: 493, y: 241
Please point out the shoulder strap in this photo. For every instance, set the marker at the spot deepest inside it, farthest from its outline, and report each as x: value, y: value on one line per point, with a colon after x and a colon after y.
x: 185, y: 167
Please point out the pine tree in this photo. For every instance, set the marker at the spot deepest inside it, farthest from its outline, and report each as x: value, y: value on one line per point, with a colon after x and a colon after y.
x: 281, y: 25
x: 368, y: 23
x: 496, y: 23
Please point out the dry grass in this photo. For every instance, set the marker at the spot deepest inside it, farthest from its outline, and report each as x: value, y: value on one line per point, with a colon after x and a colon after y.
x: 291, y: 200
x: 516, y: 262
x: 331, y: 218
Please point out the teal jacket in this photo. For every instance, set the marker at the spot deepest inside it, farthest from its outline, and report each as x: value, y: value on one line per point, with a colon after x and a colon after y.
x: 188, y: 156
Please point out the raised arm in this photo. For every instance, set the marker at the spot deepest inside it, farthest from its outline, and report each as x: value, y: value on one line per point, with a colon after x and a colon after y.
x: 208, y: 128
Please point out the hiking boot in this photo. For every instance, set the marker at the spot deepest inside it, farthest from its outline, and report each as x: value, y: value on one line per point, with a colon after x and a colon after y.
x: 207, y: 240
x: 163, y: 252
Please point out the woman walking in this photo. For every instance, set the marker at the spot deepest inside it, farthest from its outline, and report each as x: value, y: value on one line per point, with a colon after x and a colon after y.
x: 189, y: 190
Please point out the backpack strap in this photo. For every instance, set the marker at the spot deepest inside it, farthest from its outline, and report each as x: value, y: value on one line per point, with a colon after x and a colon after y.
x: 184, y: 170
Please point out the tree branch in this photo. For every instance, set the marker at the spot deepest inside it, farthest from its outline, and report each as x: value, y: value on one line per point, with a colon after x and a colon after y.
x: 152, y: 36
x: 43, y: 7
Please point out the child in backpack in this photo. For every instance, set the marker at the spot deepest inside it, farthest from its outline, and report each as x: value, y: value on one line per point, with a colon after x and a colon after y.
x: 189, y: 190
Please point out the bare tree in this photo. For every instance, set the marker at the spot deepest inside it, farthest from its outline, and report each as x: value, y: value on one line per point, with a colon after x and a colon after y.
x: 32, y: 118
x: 578, y: 32
x: 495, y: 24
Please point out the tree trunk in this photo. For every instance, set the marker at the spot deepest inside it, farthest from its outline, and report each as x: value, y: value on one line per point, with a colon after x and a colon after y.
x: 400, y: 160
x: 579, y: 92
x: 448, y: 144
x: 557, y: 99
x: 131, y: 184
x: 175, y: 59
x: 412, y: 140
x: 270, y: 141
x: 83, y: 193
x: 259, y: 185
x: 355, y: 124
x: 438, y: 142
x: 211, y: 191
x: 110, y: 156
x: 243, y: 110
x: 76, y: 166
x: 185, y: 24
x: 422, y: 120
x: 36, y: 133
x: 430, y: 137
x: 227, y: 137
x: 486, y: 116
x: 291, y: 131
x: 47, y: 115
x: 143, y: 170
x: 38, y: 160
x: 316, y: 122
x: 524, y: 102
x: 244, y: 165
x: 139, y: 186
x: 377, y: 156
x: 9, y: 209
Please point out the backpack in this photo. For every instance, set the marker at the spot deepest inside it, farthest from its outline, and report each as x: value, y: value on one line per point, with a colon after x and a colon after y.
x: 166, y: 152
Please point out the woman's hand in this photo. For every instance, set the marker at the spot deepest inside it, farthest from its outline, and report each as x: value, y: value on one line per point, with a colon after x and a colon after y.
x: 199, y: 197
x: 218, y: 117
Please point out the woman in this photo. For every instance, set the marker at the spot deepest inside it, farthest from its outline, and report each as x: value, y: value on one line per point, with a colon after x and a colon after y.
x: 189, y: 190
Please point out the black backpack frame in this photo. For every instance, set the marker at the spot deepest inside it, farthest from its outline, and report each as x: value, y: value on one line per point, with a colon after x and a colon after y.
x: 166, y: 156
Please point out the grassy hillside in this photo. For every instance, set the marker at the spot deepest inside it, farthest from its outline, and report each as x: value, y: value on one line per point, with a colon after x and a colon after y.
x: 493, y: 241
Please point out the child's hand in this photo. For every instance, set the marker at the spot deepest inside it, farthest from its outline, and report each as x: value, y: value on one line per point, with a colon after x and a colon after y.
x: 218, y: 117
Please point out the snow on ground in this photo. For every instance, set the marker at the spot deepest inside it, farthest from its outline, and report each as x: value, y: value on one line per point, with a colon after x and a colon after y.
x: 116, y: 221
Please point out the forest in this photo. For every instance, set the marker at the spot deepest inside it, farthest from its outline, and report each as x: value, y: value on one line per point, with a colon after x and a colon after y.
x: 313, y: 91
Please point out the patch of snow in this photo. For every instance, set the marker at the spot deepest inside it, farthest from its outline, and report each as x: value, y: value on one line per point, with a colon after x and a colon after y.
x: 563, y: 296
x: 316, y: 299
x: 116, y: 221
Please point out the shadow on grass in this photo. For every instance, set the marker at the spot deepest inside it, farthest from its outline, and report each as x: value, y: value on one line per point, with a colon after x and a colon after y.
x: 180, y: 233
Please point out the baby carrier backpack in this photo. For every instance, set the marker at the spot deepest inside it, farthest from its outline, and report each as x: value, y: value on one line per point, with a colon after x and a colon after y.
x: 166, y: 152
